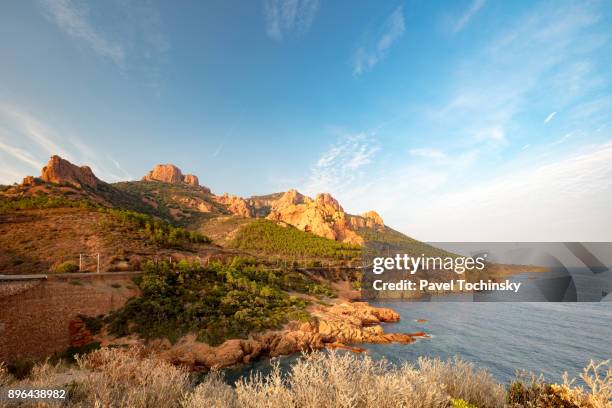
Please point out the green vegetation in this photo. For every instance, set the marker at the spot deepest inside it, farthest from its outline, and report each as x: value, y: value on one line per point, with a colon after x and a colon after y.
x: 460, y: 403
x: 217, y: 302
x: 42, y: 201
x: 66, y: 267
x: 93, y: 324
x: 270, y: 238
x: 155, y: 230
x: 21, y: 368
x: 158, y: 231
x: 71, y: 352
x: 387, y: 239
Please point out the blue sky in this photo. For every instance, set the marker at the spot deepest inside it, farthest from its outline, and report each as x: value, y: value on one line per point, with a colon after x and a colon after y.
x: 465, y: 120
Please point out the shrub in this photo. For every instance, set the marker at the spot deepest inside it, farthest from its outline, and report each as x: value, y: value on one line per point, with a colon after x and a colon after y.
x: 5, y: 377
x: 125, y: 378
x: 93, y: 324
x: 66, y: 267
x: 71, y: 352
x: 133, y: 378
x: 218, y: 302
x: 459, y: 403
x: 20, y: 368
x: 463, y: 381
x: 531, y: 391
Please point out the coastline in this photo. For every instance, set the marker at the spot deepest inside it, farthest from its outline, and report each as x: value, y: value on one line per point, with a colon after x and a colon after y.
x: 343, y: 325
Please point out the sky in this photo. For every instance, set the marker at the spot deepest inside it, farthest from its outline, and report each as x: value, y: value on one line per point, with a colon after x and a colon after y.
x: 471, y: 120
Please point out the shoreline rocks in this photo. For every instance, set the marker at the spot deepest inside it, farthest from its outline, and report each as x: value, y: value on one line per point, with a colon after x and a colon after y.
x: 340, y: 326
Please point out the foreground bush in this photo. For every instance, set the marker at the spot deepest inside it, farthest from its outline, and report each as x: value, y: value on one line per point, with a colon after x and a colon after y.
x: 130, y: 378
x: 531, y: 391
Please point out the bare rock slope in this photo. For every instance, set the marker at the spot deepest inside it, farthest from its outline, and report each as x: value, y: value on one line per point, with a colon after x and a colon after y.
x: 169, y: 173
x: 61, y: 171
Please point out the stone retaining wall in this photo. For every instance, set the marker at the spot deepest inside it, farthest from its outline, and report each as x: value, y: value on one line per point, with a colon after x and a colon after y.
x: 35, y: 316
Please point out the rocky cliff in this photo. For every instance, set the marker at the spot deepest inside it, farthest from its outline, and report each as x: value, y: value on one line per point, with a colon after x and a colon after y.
x: 236, y: 205
x: 169, y: 173
x: 61, y: 171
x: 323, y: 216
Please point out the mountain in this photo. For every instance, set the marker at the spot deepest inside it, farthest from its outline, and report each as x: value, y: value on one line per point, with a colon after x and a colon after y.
x: 68, y: 210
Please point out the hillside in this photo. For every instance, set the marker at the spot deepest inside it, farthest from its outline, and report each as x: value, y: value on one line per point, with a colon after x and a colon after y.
x: 269, y: 238
x: 67, y: 210
x: 49, y: 234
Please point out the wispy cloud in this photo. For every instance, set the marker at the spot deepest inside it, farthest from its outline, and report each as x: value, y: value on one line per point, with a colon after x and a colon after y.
x: 465, y: 18
x: 27, y: 142
x: 371, y: 53
x: 567, y: 199
x: 218, y: 149
x: 73, y: 19
x: 342, y: 163
x: 550, y: 117
x: 131, y: 37
x: 286, y: 17
x: 494, y: 87
x: 428, y: 153
x: 561, y: 140
x: 20, y: 154
x: 125, y: 174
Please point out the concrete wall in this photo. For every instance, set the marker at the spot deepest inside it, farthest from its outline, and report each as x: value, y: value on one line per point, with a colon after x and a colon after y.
x: 35, y: 316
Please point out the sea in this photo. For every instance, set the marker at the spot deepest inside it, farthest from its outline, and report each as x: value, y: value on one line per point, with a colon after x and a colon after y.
x: 547, y: 338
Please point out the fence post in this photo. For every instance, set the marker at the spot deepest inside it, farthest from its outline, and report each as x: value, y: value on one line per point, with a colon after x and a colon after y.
x: 98, y: 262
x: 80, y: 262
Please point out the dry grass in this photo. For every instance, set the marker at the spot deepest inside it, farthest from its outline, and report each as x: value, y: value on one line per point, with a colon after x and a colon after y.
x: 598, y: 392
x: 5, y: 378
x: 130, y: 378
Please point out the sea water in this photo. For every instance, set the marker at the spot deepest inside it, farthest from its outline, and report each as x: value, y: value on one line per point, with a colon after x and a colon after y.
x: 546, y: 338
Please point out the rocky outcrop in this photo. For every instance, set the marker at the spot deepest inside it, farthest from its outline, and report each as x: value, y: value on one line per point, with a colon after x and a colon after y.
x: 195, y: 203
x: 369, y: 219
x: 61, y: 171
x: 169, y: 173
x: 30, y: 181
x: 191, y: 180
x: 322, y: 216
x: 331, y: 327
x: 166, y: 173
x: 236, y: 205
x: 374, y: 218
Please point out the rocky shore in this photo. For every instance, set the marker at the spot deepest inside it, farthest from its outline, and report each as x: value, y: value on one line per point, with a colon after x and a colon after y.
x: 338, y: 326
